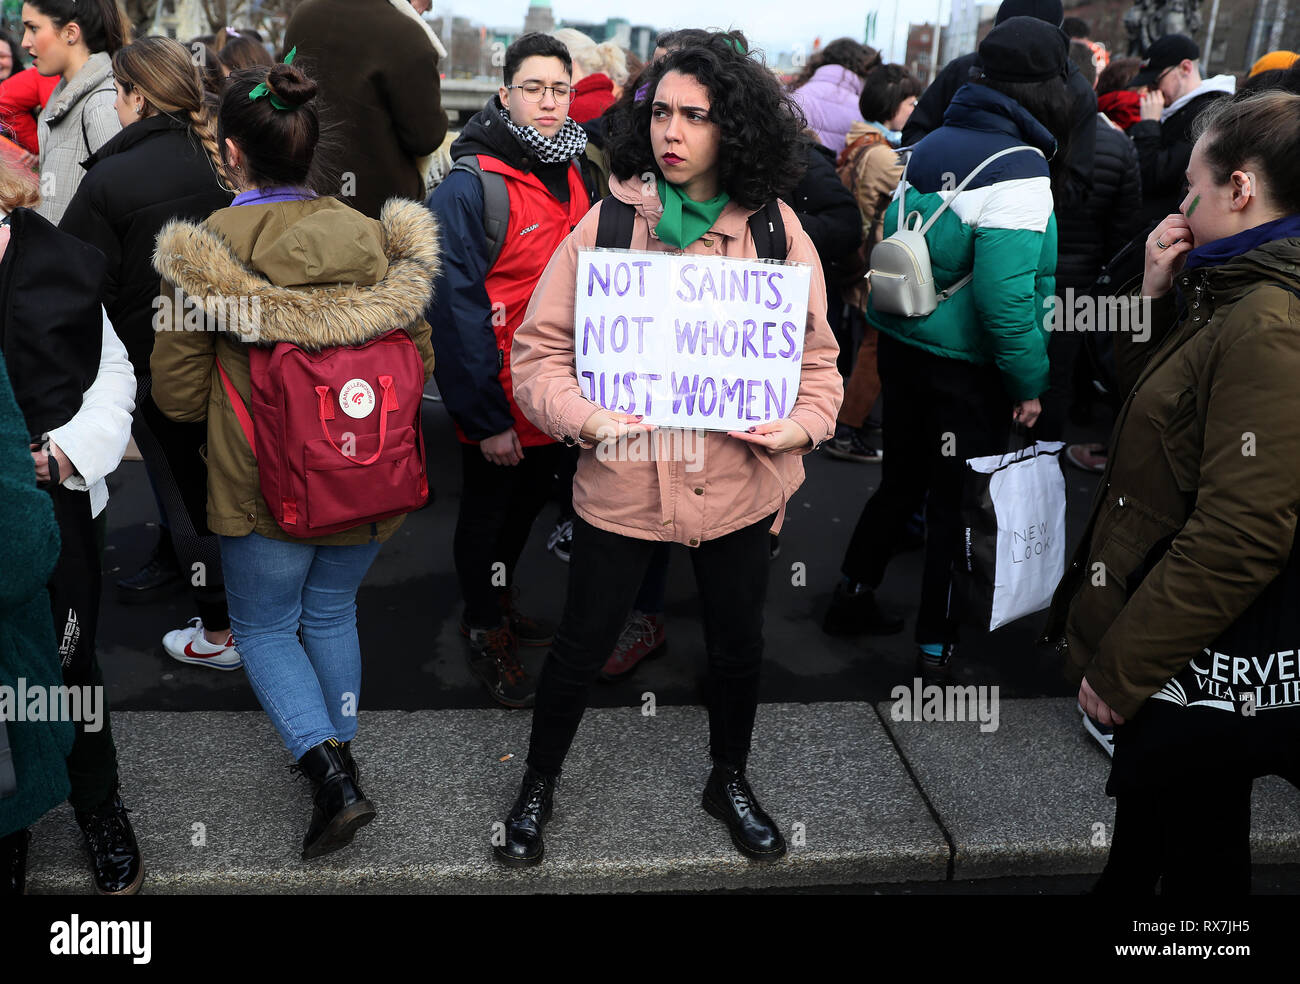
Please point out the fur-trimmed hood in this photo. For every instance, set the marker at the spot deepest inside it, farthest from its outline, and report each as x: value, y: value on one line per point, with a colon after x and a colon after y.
x: 316, y: 273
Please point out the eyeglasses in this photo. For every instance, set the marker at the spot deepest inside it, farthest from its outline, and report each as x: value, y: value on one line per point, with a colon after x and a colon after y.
x: 1164, y: 73
x: 533, y: 91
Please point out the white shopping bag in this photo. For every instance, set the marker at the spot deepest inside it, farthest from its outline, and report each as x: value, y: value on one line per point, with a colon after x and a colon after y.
x: 1013, y: 515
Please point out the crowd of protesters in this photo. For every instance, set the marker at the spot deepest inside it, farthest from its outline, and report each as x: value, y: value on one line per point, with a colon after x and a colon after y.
x: 323, y: 183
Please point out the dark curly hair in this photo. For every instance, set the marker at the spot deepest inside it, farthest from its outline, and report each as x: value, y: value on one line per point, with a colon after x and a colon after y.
x: 761, y: 154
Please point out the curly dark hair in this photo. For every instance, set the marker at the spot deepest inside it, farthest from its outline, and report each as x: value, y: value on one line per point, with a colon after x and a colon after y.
x: 860, y: 59
x: 761, y: 154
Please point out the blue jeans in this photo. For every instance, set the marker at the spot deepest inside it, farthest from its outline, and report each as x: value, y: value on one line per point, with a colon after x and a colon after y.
x: 274, y: 587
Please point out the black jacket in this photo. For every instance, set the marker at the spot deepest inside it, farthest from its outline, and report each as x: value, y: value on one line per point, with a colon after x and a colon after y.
x: 826, y: 208
x: 51, y: 325
x: 929, y: 111
x: 149, y: 173
x: 1089, y: 237
x: 1164, y: 150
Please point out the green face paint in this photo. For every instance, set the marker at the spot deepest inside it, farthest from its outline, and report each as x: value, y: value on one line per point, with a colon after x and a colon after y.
x: 1192, y: 207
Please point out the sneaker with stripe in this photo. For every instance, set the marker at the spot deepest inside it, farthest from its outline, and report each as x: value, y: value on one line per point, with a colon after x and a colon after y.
x: 188, y: 645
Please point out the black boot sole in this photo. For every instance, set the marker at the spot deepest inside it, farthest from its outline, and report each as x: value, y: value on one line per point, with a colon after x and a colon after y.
x: 341, y: 830
x: 720, y: 813
x: 513, y: 862
x: 132, y: 889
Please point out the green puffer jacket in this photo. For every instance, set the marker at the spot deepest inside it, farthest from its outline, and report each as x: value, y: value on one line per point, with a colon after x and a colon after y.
x: 1196, y: 511
x: 29, y: 549
x: 1001, y: 227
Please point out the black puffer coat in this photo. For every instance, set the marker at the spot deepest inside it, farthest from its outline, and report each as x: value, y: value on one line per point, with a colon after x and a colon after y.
x: 1088, y: 237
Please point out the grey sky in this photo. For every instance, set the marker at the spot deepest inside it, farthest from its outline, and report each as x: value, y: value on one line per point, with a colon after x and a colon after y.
x: 770, y: 24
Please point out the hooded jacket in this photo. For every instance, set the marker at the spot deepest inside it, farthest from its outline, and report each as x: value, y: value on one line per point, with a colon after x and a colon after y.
x: 321, y: 274
x: 1001, y: 227
x: 591, y: 97
x: 77, y: 121
x: 829, y: 101
x: 1165, y: 148
x: 476, y: 308
x: 1196, y: 511
x: 121, y: 215
x: 930, y: 109
x: 730, y: 484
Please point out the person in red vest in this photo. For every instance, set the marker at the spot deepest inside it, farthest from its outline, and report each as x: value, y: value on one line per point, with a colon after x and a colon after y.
x: 520, y: 183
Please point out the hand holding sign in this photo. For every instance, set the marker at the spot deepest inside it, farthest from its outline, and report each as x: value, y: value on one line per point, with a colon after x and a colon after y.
x: 776, y: 435
x: 606, y: 425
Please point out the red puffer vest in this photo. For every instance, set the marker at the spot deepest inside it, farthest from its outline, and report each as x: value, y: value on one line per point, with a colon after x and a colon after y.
x: 538, y: 224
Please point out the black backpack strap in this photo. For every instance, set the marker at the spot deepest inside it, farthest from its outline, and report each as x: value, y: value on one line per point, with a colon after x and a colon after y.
x: 768, y: 230
x: 614, y: 225
x: 496, y: 205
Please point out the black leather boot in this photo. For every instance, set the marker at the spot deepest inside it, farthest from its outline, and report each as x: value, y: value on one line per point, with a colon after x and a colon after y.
x: 339, y: 808
x: 349, y: 763
x: 114, y: 854
x: 532, y: 809
x: 13, y: 862
x: 729, y: 798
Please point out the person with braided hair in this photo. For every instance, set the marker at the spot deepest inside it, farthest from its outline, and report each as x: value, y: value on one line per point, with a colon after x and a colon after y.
x: 168, y: 138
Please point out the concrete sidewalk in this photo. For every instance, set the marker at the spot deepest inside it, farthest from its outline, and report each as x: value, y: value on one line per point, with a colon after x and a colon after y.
x: 863, y: 799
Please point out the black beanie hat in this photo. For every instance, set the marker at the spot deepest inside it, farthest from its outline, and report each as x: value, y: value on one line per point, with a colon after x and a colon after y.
x: 1024, y: 49
x: 1051, y: 11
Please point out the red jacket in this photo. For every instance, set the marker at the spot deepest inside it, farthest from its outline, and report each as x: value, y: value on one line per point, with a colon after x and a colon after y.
x: 591, y: 97
x: 22, y: 95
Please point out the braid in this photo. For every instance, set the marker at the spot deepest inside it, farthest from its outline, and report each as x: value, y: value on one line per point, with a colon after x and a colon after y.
x: 201, y: 124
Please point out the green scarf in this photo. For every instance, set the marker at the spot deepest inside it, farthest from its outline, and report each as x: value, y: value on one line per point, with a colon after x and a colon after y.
x: 686, y: 220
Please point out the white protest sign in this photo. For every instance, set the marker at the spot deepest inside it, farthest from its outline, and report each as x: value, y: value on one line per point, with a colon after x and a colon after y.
x: 706, y: 342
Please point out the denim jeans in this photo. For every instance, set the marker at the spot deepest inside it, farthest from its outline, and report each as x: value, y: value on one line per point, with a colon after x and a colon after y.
x: 311, y: 688
x: 605, y: 572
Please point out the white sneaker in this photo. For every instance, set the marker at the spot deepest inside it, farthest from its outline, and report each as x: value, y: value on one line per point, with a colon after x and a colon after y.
x: 189, y: 646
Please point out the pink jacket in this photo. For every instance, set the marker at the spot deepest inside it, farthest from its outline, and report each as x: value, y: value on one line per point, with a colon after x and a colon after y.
x: 720, y: 484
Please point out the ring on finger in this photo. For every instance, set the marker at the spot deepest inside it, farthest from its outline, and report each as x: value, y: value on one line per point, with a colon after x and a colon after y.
x: 1162, y: 245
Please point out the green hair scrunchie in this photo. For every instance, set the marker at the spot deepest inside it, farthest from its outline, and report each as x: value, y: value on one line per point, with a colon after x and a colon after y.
x: 261, y: 90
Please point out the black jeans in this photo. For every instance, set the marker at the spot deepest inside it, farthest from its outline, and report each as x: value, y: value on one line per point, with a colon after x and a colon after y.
x: 1182, y: 780
x: 940, y: 412
x: 498, y: 504
x: 605, y: 572
x: 74, y: 600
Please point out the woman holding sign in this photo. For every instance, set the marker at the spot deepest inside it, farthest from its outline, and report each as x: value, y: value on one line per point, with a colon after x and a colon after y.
x: 712, y: 144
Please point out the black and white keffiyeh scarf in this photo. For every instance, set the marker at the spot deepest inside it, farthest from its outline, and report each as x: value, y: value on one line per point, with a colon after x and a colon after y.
x: 564, y: 146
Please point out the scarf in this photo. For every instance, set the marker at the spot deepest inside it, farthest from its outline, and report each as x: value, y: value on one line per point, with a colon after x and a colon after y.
x: 1230, y: 247
x: 686, y: 220
x: 564, y: 146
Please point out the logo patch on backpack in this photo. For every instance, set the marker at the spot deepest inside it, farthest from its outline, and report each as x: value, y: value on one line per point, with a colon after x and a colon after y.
x: 357, y: 398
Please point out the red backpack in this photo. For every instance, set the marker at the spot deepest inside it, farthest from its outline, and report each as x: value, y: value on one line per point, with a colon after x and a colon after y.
x: 338, y: 440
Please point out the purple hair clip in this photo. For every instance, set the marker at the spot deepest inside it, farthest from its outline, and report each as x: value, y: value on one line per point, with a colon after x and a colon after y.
x: 230, y: 31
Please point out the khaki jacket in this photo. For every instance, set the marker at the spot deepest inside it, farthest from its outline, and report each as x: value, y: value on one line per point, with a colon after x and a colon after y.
x: 322, y: 274
x: 730, y: 484
x: 1196, y: 511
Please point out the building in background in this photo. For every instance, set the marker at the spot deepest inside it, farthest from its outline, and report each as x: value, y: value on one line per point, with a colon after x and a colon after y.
x: 969, y: 22
x: 918, y: 57
x: 539, y: 17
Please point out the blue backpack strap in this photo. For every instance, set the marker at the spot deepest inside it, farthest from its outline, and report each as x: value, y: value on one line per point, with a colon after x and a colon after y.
x: 614, y: 225
x: 496, y: 205
x: 768, y: 231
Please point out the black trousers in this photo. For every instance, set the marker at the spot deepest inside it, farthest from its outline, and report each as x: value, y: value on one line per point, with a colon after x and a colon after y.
x: 74, y: 601
x: 498, y: 505
x: 940, y: 412
x: 605, y: 573
x: 1182, y: 780
x: 171, y: 453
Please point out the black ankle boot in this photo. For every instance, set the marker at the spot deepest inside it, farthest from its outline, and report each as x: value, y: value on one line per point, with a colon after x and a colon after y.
x: 114, y: 854
x: 339, y: 808
x: 936, y: 671
x: 349, y: 763
x: 13, y: 862
x: 524, y: 825
x: 729, y: 798
x: 160, y: 575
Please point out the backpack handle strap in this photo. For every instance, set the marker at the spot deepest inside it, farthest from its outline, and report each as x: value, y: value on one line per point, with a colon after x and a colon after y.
x: 902, y: 183
x: 325, y: 410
